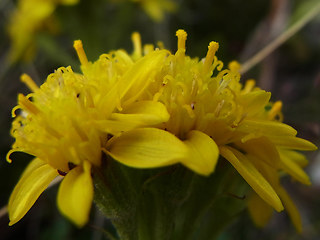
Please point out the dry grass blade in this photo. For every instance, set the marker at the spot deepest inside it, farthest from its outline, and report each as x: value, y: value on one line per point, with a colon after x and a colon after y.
x: 246, y: 66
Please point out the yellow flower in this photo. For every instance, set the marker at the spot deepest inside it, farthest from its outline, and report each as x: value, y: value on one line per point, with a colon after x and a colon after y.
x: 68, y: 120
x: 157, y: 8
x: 25, y: 21
x: 151, y: 109
x: 33, y: 16
x: 212, y: 114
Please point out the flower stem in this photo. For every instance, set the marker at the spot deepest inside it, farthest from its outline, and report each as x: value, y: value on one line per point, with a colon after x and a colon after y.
x: 167, y: 203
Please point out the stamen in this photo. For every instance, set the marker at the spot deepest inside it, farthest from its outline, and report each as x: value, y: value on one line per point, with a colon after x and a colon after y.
x: 182, y: 37
x: 8, y: 155
x: 148, y: 48
x: 189, y: 110
x: 13, y: 111
x: 136, y: 40
x: 275, y: 110
x: 183, y: 87
x: 81, y: 54
x: 234, y: 66
x: 212, y: 49
x: 27, y: 80
x: 218, y: 108
x: 160, y: 45
x: 158, y: 95
x: 26, y: 104
x: 249, y: 85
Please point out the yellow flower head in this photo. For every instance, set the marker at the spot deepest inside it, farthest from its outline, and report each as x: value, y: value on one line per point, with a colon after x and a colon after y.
x: 212, y: 114
x: 67, y: 121
x: 151, y: 109
x: 28, y: 18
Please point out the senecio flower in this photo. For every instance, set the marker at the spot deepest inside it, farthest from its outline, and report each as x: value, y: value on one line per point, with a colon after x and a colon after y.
x: 151, y: 109
x: 26, y: 20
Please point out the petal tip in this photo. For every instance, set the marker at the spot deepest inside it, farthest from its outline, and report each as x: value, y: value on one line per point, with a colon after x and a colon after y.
x: 279, y: 207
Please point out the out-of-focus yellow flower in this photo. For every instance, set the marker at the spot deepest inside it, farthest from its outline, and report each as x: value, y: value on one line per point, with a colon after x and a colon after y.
x: 68, y: 120
x: 28, y: 18
x: 157, y: 8
x: 212, y: 113
x: 31, y: 16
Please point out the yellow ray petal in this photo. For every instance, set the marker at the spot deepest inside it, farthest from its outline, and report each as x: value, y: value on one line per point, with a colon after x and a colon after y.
x: 293, y: 169
x: 297, y: 157
x: 144, y: 113
x: 140, y: 114
x: 259, y: 210
x: 252, y: 176
x: 147, y: 148
x: 34, y: 180
x: 265, y: 127
x: 133, y: 82
x: 76, y: 193
x: 291, y: 142
x: 138, y: 77
x: 290, y: 208
x: 272, y: 176
x: 262, y: 148
x: 204, y: 153
x: 114, y: 127
x: 253, y: 101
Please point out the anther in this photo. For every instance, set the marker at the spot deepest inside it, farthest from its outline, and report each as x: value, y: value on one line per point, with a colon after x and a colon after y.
x: 81, y: 54
x: 212, y: 49
x: 136, y: 40
x: 27, y: 80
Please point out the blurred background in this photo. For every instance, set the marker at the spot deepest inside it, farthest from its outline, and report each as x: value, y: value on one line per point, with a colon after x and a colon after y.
x: 36, y: 37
